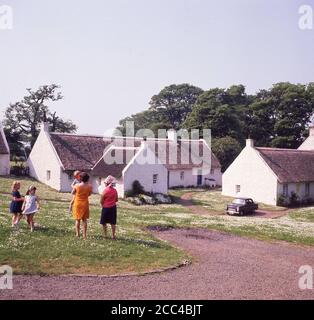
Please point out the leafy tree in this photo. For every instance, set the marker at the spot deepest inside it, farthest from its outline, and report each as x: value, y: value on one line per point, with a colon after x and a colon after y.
x: 174, y: 103
x: 22, y: 119
x: 226, y: 149
x: 219, y: 110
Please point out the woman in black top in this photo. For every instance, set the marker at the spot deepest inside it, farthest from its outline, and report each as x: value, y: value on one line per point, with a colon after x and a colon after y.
x: 16, y: 203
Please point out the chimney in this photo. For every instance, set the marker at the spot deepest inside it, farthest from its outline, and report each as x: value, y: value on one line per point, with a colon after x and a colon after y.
x: 172, y: 135
x: 250, y: 143
x: 44, y: 126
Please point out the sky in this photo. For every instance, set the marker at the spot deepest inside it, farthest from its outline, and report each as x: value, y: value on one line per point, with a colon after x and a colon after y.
x: 111, y: 56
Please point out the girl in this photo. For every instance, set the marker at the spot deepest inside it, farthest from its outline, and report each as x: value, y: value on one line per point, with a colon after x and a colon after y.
x: 30, y: 206
x: 16, y: 203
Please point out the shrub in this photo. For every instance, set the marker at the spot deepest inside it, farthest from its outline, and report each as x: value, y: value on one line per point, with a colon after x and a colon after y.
x: 294, y: 200
x: 137, y: 189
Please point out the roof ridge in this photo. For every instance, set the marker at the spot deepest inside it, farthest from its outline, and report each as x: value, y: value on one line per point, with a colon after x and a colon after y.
x: 283, y: 149
x: 119, y: 137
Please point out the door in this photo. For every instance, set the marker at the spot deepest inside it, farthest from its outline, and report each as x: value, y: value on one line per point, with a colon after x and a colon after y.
x: 199, y: 179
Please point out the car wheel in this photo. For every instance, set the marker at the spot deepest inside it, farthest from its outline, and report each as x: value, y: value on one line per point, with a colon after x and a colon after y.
x: 241, y: 213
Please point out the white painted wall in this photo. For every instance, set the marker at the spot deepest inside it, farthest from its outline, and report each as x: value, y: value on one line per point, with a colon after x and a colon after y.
x: 256, y: 179
x: 43, y: 158
x: 190, y: 179
x: 4, y: 158
x: 4, y: 164
x: 143, y: 172
x: 299, y: 189
x: 99, y: 185
x: 308, y: 144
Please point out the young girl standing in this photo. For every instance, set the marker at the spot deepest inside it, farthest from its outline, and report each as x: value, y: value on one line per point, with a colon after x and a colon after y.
x: 30, y: 206
x: 16, y: 203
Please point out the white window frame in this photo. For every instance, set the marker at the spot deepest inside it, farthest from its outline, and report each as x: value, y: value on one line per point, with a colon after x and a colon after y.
x: 285, y: 190
x: 182, y: 175
x: 48, y: 175
x: 155, y: 178
x: 238, y: 188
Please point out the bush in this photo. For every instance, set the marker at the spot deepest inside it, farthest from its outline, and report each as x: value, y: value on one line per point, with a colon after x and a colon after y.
x: 282, y: 201
x: 19, y: 170
x: 294, y: 200
x: 137, y: 189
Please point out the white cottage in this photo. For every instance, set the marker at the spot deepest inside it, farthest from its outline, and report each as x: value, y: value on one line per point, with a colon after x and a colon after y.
x: 271, y: 175
x: 4, y: 154
x: 157, y: 164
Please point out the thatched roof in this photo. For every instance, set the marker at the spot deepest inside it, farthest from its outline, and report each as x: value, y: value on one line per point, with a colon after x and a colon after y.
x: 289, y: 165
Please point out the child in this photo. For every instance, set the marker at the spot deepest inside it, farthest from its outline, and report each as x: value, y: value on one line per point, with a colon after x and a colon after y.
x: 30, y: 206
x: 16, y: 203
x: 77, y: 180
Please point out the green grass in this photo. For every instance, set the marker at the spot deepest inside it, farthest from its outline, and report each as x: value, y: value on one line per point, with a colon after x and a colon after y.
x: 303, y: 214
x: 53, y: 248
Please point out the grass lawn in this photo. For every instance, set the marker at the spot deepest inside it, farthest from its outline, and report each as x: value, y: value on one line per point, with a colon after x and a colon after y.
x: 53, y: 248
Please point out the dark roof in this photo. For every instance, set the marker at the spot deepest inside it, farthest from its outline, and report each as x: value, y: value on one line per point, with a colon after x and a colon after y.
x: 289, y: 165
x: 83, y: 152
x: 3, y: 147
x: 104, y: 167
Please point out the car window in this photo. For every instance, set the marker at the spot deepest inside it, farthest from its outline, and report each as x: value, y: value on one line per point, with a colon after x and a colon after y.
x: 238, y: 201
x: 249, y: 201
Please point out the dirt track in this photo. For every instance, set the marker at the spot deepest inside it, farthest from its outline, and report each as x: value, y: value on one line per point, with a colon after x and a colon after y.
x: 225, y: 267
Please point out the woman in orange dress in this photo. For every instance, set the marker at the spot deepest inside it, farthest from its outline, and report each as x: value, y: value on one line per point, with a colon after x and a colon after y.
x: 80, y: 209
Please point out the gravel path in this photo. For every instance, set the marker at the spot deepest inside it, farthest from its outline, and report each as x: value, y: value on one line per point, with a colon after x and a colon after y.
x: 224, y: 267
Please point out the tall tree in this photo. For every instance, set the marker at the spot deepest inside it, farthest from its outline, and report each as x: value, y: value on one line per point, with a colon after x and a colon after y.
x: 219, y: 110
x: 23, y: 118
x: 226, y: 149
x: 174, y: 103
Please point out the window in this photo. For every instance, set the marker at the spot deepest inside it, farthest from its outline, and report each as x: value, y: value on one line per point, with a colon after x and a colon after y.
x: 307, y: 189
x: 285, y: 190
x: 155, y: 178
x: 182, y: 175
x: 212, y: 171
x: 99, y: 181
x: 238, y: 188
x: 238, y: 201
x: 48, y: 175
x: 297, y: 188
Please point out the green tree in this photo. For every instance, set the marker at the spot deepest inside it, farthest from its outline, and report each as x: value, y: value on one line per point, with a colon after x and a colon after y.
x: 174, y: 103
x: 226, y: 149
x: 22, y: 119
x: 219, y: 110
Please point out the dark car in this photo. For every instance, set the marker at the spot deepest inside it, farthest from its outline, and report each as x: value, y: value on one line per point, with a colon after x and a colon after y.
x: 241, y: 206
